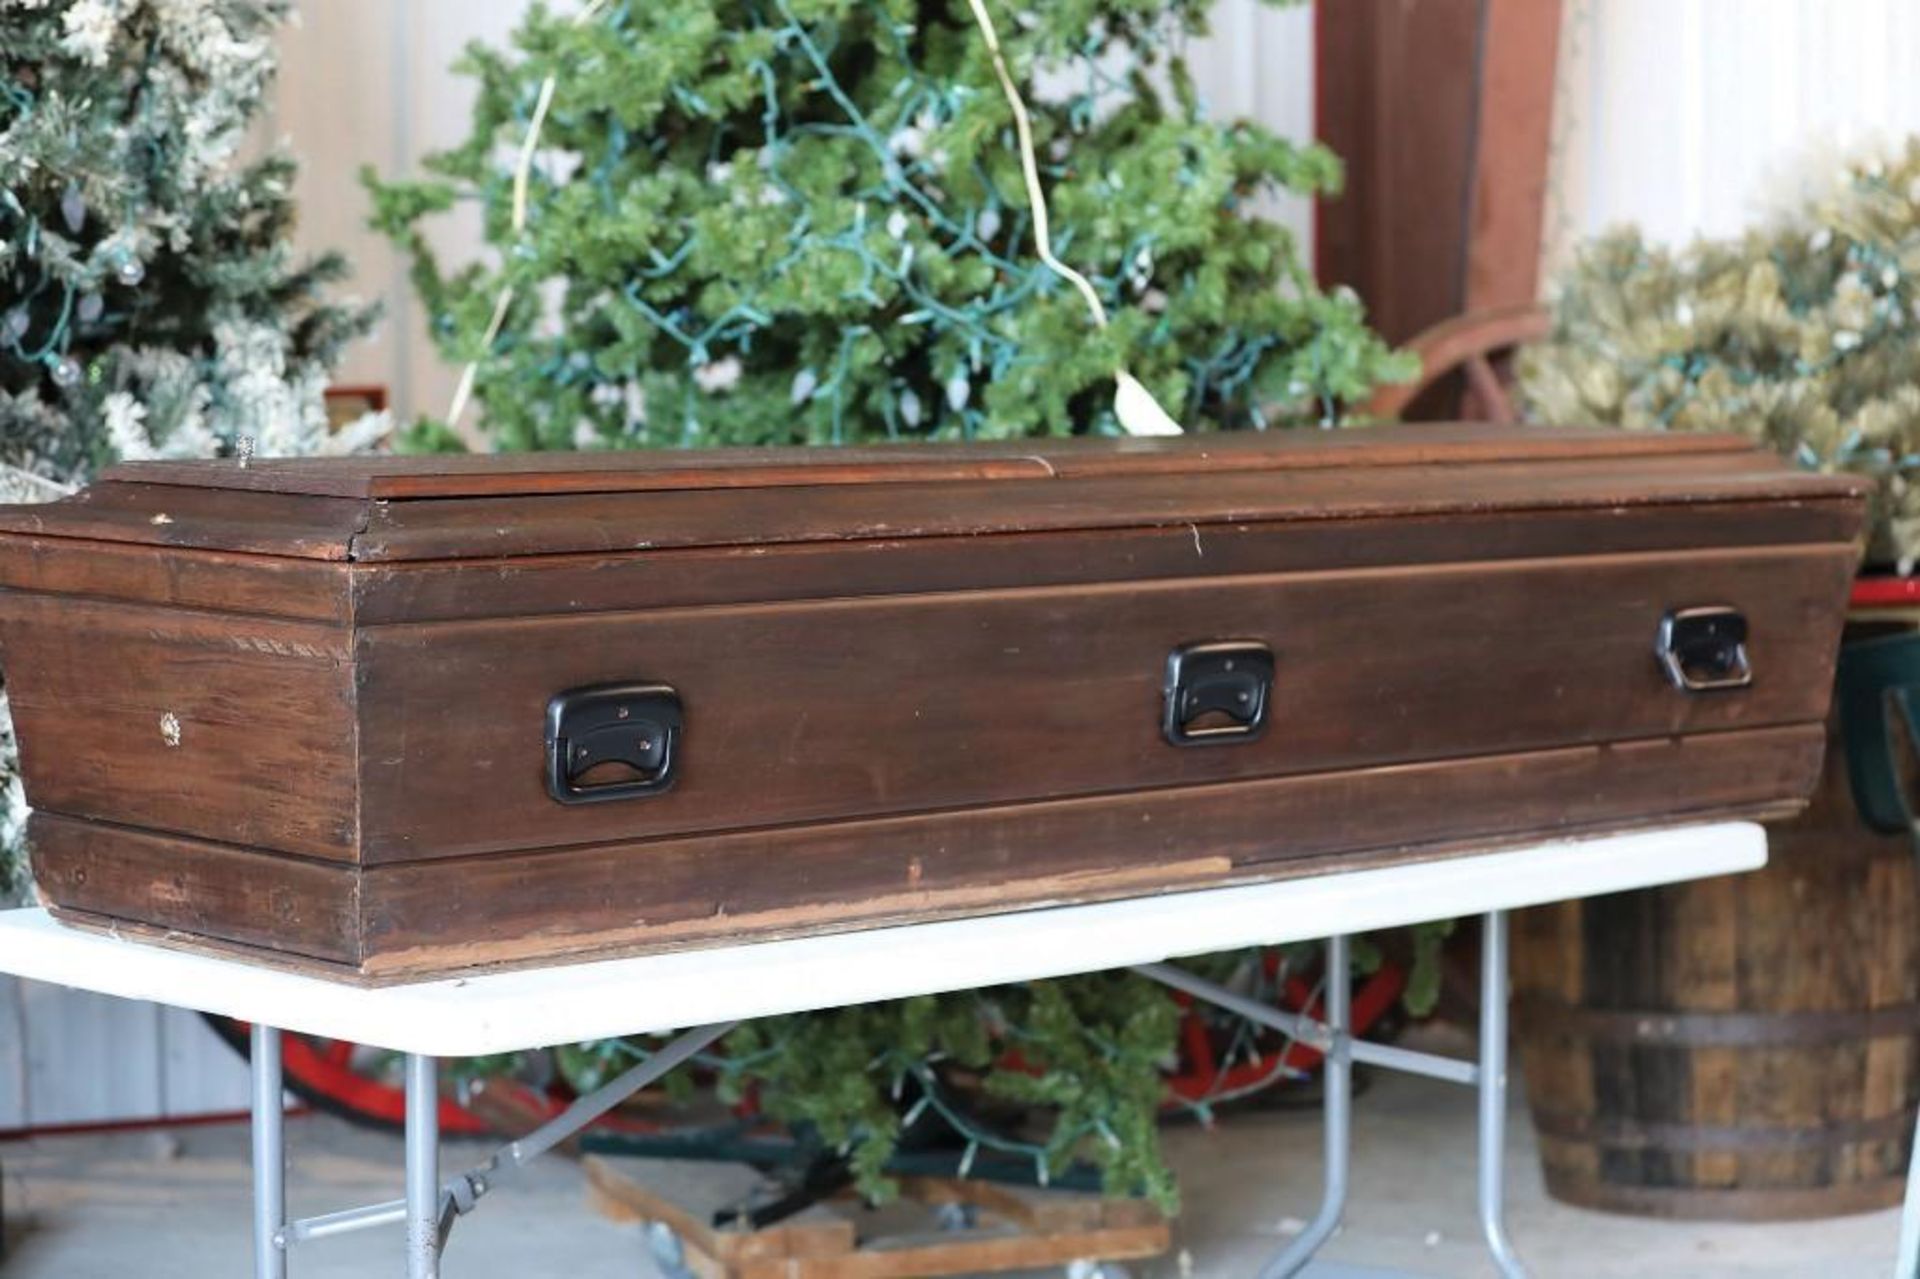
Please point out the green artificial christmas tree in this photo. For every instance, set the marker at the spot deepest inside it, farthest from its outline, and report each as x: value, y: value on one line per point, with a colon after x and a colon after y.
x: 150, y: 304
x: 722, y: 222
x: 804, y: 221
x: 1804, y: 333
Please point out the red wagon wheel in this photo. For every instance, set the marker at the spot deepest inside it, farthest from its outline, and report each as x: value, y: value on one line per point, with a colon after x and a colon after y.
x: 1224, y: 1059
x: 360, y: 1085
x: 1480, y: 347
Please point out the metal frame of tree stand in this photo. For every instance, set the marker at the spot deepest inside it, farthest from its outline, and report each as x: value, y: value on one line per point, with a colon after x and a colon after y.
x: 431, y: 1205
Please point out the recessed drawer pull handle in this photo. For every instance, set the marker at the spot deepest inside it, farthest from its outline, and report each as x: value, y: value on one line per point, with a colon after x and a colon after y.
x: 634, y: 727
x: 1217, y: 692
x: 1704, y: 649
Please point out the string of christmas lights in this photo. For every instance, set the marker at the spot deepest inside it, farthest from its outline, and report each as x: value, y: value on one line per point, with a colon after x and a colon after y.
x: 788, y: 228
x: 1135, y: 409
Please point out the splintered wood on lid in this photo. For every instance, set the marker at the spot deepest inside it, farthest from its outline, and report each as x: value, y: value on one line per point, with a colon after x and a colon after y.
x: 385, y: 717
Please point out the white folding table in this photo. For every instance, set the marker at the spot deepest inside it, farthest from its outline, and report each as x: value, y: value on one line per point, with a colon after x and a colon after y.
x: 713, y: 989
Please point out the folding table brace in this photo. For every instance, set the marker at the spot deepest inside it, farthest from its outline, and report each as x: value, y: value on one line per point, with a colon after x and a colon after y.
x: 500, y: 1012
x: 431, y: 1207
x: 1335, y: 1040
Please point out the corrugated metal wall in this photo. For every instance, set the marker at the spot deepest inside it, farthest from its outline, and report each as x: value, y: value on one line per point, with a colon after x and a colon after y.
x: 73, y: 1058
x: 1696, y: 117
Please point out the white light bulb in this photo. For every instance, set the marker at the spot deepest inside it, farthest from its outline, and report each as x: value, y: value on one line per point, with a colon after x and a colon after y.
x: 73, y: 208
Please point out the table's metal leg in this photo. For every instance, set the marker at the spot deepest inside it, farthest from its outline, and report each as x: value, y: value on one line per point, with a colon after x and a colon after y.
x: 1493, y: 1094
x: 269, y: 1156
x: 423, y: 1167
x: 1337, y: 1080
x: 1906, y: 1263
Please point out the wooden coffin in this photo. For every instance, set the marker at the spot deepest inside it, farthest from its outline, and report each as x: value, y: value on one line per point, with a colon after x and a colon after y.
x: 385, y: 717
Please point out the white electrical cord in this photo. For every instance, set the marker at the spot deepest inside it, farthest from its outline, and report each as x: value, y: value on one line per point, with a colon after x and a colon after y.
x: 1133, y: 404
x: 1139, y: 413
x: 522, y: 178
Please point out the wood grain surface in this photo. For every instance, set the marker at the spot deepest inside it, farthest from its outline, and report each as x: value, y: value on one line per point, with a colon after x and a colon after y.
x: 808, y: 712
x: 234, y: 728
x: 490, y: 527
x: 459, y: 589
x: 405, y: 921
x: 297, y: 706
x: 219, y: 581
x: 475, y: 475
x: 1740, y: 1048
x: 164, y: 515
x: 301, y: 909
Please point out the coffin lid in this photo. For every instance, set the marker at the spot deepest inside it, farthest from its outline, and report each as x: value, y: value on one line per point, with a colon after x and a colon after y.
x: 389, y: 508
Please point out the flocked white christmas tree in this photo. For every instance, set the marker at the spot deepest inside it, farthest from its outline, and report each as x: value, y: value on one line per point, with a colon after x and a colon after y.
x: 150, y: 303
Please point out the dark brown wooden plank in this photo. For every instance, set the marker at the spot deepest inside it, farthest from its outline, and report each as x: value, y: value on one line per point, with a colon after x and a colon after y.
x: 1547, y: 966
x: 625, y: 470
x: 261, y: 745
x: 389, y: 476
x: 619, y: 1190
x: 1787, y: 916
x: 484, y: 475
x: 833, y: 709
x: 1429, y: 444
x: 281, y: 904
x: 488, y: 528
x: 1738, y: 1063
x: 269, y: 585
x: 1703, y: 961
x: 1394, y: 90
x: 806, y: 467
x: 1513, y: 109
x: 202, y: 519
x: 640, y: 896
x: 450, y: 590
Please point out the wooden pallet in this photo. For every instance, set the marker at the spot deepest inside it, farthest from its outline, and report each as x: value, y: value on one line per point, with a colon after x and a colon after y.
x: 1006, y: 1230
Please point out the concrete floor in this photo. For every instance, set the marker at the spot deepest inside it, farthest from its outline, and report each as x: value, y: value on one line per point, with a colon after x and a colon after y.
x: 173, y: 1205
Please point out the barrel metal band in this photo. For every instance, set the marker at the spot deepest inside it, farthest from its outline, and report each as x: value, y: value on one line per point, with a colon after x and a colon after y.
x: 1739, y: 1029
x: 1616, y: 1132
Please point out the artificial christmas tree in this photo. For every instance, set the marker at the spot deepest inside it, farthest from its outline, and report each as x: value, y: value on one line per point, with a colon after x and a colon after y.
x: 807, y: 223
x: 150, y: 305
x: 1801, y: 333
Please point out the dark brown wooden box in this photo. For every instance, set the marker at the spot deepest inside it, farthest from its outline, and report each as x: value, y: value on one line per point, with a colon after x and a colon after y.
x: 299, y: 707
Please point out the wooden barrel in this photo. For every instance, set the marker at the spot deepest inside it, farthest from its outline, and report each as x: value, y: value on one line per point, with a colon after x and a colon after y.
x: 1741, y: 1048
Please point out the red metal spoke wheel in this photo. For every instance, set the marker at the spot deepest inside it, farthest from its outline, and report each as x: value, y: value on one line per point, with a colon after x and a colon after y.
x: 362, y: 1085
x: 1211, y: 1072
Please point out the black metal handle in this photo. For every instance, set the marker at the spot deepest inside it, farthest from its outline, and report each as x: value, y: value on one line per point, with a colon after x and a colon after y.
x: 1217, y: 692
x: 1704, y: 649
x: 636, y: 726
